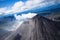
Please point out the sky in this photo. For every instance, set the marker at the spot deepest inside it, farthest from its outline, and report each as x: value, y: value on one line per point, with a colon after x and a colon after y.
x: 7, y: 3
x: 15, y: 6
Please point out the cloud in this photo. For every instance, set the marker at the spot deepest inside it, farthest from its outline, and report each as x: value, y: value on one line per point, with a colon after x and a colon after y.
x: 0, y: 13
x: 22, y: 6
x: 24, y: 16
x: 15, y: 27
x: 2, y: 9
x: 18, y: 5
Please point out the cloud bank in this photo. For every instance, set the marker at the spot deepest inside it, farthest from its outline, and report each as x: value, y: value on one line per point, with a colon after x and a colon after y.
x: 24, y: 16
x: 22, y: 6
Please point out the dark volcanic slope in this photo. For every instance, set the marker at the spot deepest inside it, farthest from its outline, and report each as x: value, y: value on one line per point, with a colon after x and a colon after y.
x: 46, y: 29
x: 38, y: 28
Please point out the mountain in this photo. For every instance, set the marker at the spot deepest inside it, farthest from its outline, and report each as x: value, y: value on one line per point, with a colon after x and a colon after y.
x: 40, y: 28
x: 37, y: 28
x: 46, y: 29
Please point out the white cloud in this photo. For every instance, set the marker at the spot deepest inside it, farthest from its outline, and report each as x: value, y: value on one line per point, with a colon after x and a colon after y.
x: 29, y: 15
x: 22, y: 6
x: 25, y: 16
x: 0, y: 13
x: 18, y: 5
x: 2, y: 9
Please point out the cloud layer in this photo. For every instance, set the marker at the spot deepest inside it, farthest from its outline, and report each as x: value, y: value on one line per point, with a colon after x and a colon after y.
x: 24, y: 16
x: 22, y: 6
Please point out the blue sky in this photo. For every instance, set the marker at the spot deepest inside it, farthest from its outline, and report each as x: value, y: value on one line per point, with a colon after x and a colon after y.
x: 15, y: 6
x: 6, y: 3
